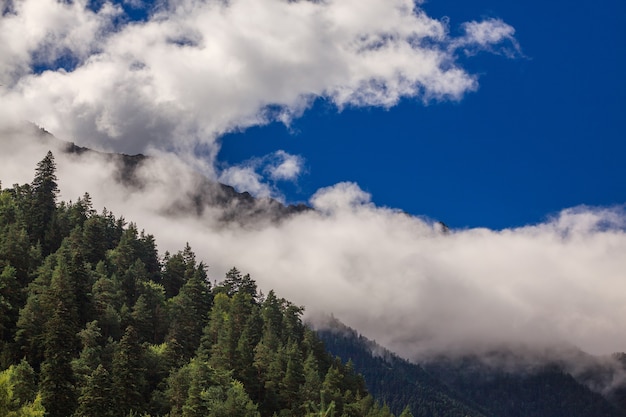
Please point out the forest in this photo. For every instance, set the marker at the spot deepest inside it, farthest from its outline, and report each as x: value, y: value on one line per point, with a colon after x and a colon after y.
x: 94, y: 322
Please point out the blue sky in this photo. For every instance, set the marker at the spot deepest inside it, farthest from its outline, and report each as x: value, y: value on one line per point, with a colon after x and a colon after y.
x: 544, y: 132
x: 421, y: 112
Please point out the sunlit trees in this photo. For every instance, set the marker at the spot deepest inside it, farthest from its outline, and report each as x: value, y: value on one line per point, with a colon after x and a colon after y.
x: 94, y: 324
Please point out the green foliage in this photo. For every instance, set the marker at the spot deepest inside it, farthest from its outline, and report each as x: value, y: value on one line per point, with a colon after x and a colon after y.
x: 44, y: 190
x: 129, y: 370
x: 60, y: 341
x: 14, y: 401
x: 97, y: 399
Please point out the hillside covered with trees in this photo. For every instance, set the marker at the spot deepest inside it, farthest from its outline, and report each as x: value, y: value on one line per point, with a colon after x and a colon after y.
x: 467, y: 386
x: 94, y: 322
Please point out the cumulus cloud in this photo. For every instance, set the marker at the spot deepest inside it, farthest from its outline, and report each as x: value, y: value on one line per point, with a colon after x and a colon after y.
x: 485, y: 34
x: 245, y: 178
x: 196, y: 69
x: 250, y: 175
x: 284, y: 166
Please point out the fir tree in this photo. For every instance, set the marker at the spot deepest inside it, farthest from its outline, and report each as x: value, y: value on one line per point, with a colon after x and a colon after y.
x: 57, y: 377
x: 129, y: 374
x: 96, y: 399
x: 44, y: 194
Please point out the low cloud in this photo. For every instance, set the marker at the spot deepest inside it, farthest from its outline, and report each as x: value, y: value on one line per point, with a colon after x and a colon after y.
x: 398, y: 279
x: 259, y: 176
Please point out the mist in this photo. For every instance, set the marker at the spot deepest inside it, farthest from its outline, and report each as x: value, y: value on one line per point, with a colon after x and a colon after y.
x: 406, y: 282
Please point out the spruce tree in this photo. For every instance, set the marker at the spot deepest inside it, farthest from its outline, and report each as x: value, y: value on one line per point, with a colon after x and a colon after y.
x: 96, y: 399
x: 57, y: 377
x: 44, y: 194
x: 129, y: 374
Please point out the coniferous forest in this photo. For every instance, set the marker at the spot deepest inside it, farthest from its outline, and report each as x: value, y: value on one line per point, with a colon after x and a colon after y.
x: 94, y: 322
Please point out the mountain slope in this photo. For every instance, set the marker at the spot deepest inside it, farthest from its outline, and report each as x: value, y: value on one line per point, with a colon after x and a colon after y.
x: 543, y: 391
x: 206, y: 194
x: 94, y: 323
x: 466, y: 387
x: 393, y: 380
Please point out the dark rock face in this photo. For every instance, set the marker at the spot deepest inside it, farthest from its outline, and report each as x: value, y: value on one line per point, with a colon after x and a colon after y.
x: 227, y: 204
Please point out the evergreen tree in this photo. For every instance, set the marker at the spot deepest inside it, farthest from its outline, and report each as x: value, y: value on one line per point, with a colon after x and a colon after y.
x: 236, y: 403
x: 91, y: 353
x: 9, y: 302
x: 236, y: 283
x: 294, y: 379
x: 96, y: 399
x: 190, y: 310
x: 310, y: 390
x: 15, y: 251
x: 24, y: 383
x: 173, y: 277
x: 44, y: 194
x: 94, y: 246
x: 129, y: 374
x: 57, y: 377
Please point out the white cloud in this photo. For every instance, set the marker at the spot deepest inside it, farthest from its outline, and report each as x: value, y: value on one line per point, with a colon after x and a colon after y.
x: 340, y: 197
x: 245, y: 178
x: 41, y: 31
x: 284, y: 166
x: 197, y: 69
x: 396, y: 278
x: 485, y: 35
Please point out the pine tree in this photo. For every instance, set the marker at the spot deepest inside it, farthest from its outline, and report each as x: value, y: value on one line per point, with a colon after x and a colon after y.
x: 129, y: 373
x: 173, y: 277
x: 24, y: 382
x: 90, y: 355
x: 96, y: 399
x: 57, y: 377
x: 190, y: 310
x: 406, y: 412
x: 237, y: 403
x: 9, y: 302
x: 44, y: 192
x: 310, y: 390
x: 290, y: 392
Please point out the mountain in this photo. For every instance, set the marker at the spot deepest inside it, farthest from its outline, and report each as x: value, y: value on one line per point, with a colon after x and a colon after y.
x: 95, y: 323
x: 393, y: 380
x: 475, y: 385
x: 206, y: 194
x: 543, y: 389
x: 115, y: 283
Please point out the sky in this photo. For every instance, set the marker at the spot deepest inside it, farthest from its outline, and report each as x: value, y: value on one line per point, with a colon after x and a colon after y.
x: 544, y: 131
x: 502, y: 121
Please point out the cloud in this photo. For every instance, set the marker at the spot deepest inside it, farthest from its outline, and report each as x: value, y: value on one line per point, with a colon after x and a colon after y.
x: 194, y: 70
x: 285, y: 167
x: 40, y: 32
x: 245, y: 178
x: 259, y: 175
x: 398, y: 279
x: 340, y: 197
x: 488, y: 35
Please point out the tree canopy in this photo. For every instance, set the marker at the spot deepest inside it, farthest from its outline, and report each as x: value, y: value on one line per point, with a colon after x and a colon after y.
x: 93, y: 322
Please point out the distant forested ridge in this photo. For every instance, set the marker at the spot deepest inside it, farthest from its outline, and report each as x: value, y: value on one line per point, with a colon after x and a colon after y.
x: 94, y: 322
x: 466, y: 386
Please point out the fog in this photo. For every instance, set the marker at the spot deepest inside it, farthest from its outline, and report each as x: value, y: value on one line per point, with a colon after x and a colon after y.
x: 404, y: 281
